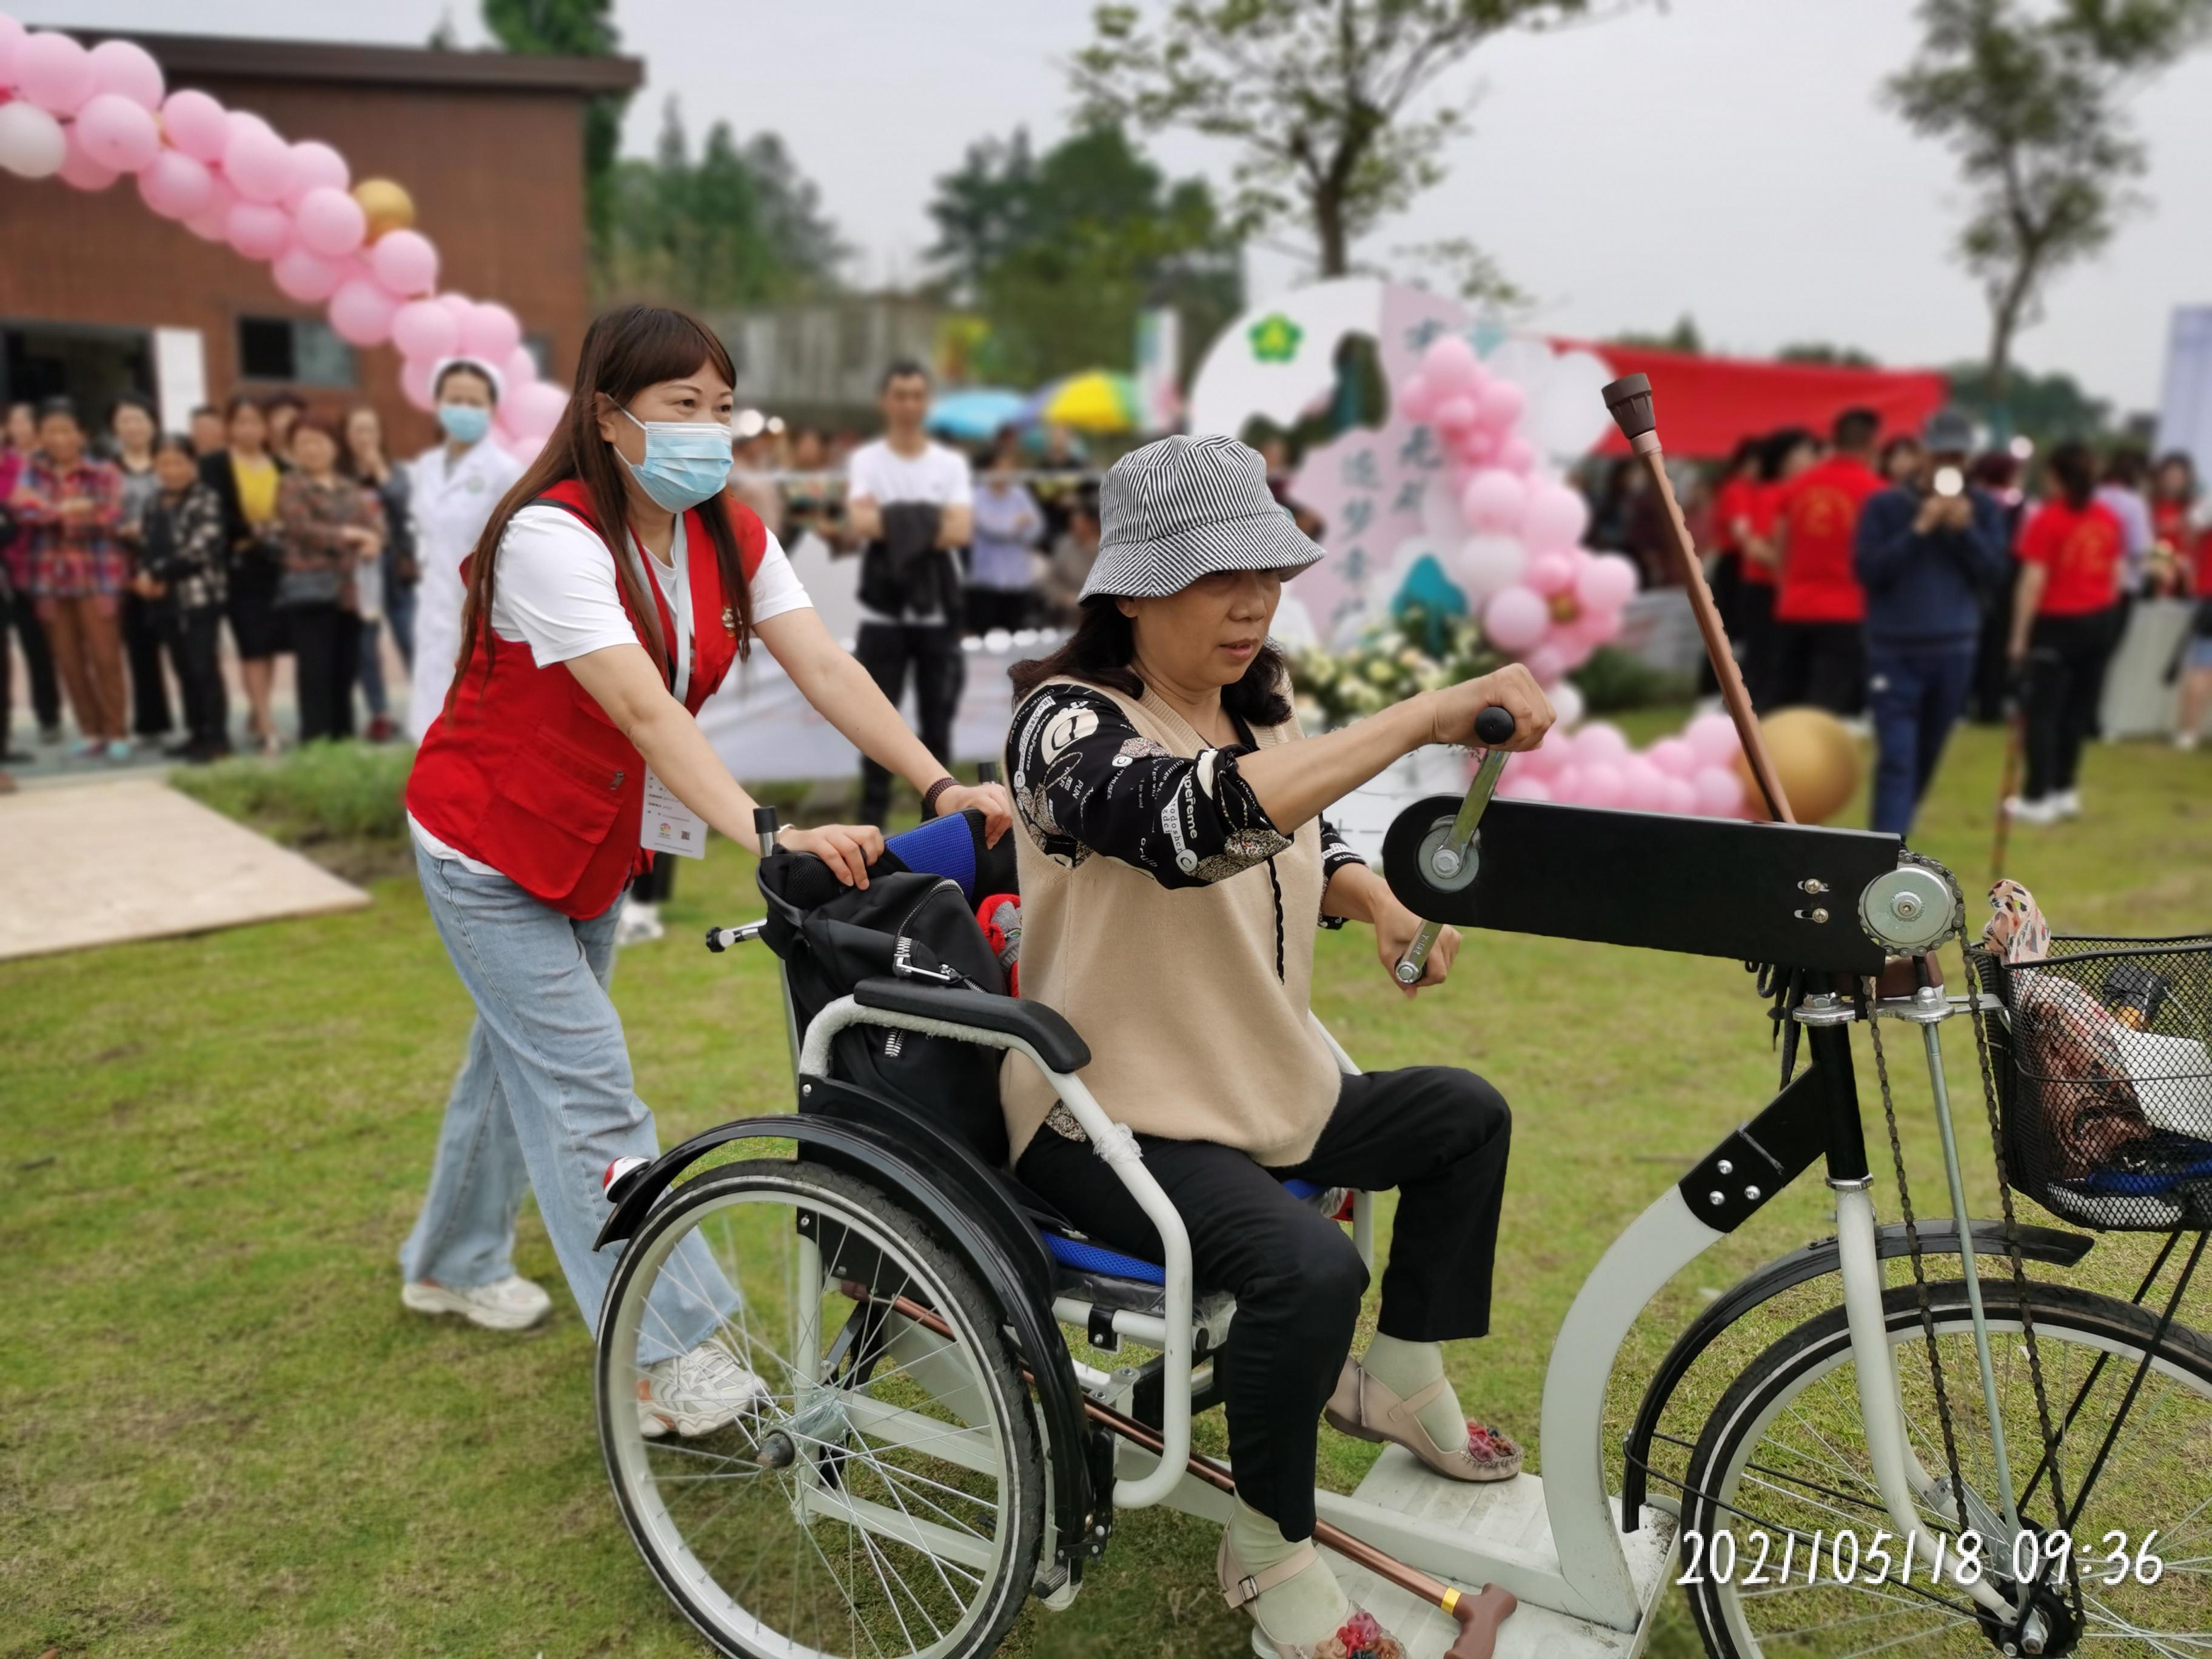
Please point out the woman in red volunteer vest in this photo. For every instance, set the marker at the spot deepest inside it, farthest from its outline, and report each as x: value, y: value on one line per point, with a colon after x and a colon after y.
x: 609, y: 594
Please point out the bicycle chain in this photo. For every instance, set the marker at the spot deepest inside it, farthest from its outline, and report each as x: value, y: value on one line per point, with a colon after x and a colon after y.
x: 1920, y: 1266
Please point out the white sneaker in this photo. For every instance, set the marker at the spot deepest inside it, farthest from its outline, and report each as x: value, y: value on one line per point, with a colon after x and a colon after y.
x: 697, y: 1393
x: 2185, y: 741
x: 2045, y: 812
x: 639, y: 924
x: 2067, y: 803
x: 513, y: 1303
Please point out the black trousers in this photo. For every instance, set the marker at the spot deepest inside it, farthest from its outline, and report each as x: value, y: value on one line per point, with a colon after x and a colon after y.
x: 2066, y: 661
x: 988, y: 608
x: 326, y: 659
x: 37, y: 663
x: 194, y: 639
x: 885, y: 650
x: 1438, y: 1134
x: 143, y: 638
x: 1823, y: 664
x: 1753, y: 634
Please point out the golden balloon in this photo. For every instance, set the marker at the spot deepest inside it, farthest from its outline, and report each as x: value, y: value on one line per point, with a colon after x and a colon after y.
x: 388, y: 205
x: 1815, y: 758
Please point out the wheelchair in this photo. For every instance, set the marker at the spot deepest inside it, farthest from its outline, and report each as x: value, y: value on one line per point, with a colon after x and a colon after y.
x: 921, y: 1463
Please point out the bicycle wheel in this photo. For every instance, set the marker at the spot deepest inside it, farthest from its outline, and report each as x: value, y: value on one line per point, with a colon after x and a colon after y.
x: 1782, y: 1469
x: 884, y: 1495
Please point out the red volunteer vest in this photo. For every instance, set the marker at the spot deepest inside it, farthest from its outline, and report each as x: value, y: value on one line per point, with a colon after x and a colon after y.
x: 526, y: 774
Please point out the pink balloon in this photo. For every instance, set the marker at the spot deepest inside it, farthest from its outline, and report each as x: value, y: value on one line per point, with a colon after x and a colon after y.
x: 523, y: 450
x: 1486, y: 563
x: 1718, y: 791
x: 212, y: 222
x: 1712, y: 738
x: 1493, y: 500
x: 1548, y: 663
x: 520, y: 368
x: 404, y: 262
x: 1542, y: 760
x: 460, y: 305
x: 82, y: 170
x: 413, y: 373
x: 301, y: 274
x: 1450, y: 365
x: 1517, y: 454
x: 116, y: 132
x: 1676, y: 795
x: 11, y: 36
x: 1501, y: 404
x: 176, y: 186
x: 491, y: 332
x: 1557, y: 514
x: 534, y: 410
x: 54, y: 72
x: 1475, y: 445
x: 128, y: 69
x: 1602, y: 784
x: 1607, y: 583
x: 255, y: 160
x: 361, y: 312
x: 423, y: 330
x: 195, y: 123
x: 1643, y: 786
x: 258, y: 230
x: 1599, y: 743
x: 1518, y: 783
x: 331, y: 223
x: 1416, y: 399
x: 1595, y: 628
x: 1566, y: 784
x: 311, y: 165
x: 1515, y: 619
x: 1455, y: 414
x: 1549, y: 574
x: 1673, y: 757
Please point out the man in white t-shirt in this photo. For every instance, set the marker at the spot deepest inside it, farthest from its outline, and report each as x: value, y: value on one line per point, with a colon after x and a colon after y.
x: 909, y: 597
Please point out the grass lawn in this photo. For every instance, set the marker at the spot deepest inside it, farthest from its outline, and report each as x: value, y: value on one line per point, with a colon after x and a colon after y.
x: 219, y: 1433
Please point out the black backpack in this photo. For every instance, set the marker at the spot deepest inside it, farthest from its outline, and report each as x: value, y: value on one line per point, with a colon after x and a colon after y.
x: 908, y: 924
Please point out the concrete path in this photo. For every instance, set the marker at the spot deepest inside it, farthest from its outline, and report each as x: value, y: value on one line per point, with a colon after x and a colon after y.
x: 97, y: 863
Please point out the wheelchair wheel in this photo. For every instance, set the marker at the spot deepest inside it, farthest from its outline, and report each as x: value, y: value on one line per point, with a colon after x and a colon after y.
x: 882, y: 1494
x: 1794, y: 1553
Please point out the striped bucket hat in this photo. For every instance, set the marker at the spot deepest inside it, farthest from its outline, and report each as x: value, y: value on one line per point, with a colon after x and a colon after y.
x: 1181, y: 508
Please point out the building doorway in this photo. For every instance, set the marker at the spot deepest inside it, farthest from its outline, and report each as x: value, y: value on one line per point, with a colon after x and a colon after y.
x: 89, y: 365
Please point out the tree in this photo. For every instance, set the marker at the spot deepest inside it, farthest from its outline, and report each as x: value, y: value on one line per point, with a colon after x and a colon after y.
x: 1317, y: 96
x: 2031, y: 99
x: 1683, y: 336
x: 2047, y: 408
x: 1828, y: 352
x: 577, y: 28
x: 737, y: 226
x: 1060, y: 251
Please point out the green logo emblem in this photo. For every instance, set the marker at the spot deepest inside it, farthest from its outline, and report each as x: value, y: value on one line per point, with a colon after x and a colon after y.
x: 1275, y: 338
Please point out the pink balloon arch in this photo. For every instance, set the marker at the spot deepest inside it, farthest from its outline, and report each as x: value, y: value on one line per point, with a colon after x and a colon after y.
x: 91, y: 117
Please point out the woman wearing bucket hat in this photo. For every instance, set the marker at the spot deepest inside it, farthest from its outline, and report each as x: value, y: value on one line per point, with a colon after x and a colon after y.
x: 1174, y: 862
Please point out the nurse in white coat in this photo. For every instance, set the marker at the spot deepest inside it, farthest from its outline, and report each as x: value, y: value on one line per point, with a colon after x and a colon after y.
x: 456, y: 486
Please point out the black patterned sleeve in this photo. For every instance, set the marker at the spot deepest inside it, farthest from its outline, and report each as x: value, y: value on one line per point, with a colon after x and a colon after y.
x: 1086, y: 782
x: 1336, y: 855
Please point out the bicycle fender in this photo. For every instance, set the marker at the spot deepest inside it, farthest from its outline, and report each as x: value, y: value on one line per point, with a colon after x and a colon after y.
x: 908, y: 1177
x: 1813, y: 1260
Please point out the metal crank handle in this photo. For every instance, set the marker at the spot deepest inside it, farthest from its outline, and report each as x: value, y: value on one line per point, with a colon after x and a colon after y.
x: 1493, y: 726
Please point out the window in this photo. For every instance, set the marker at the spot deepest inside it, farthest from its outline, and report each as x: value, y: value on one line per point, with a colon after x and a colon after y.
x: 289, y: 348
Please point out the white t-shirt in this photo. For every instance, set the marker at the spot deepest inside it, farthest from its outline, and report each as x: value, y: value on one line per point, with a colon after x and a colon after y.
x: 937, y: 475
x: 557, y: 595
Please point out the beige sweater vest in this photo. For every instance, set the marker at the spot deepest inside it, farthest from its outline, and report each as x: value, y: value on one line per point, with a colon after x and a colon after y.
x: 1192, y: 1036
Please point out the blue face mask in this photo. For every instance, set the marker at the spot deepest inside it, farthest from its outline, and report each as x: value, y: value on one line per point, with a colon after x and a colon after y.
x: 686, y: 462
x: 464, y: 423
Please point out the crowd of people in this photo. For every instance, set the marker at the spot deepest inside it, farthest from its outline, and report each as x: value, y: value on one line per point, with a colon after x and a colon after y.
x: 1912, y: 582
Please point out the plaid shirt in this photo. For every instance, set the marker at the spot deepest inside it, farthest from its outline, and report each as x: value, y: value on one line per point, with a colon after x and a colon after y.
x: 73, y: 552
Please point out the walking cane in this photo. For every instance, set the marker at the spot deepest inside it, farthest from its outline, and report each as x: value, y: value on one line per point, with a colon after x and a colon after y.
x: 1478, y: 1616
x: 1630, y: 401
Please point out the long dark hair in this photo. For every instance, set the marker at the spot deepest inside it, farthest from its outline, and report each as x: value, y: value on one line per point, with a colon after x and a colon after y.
x: 2073, y: 468
x: 1104, y: 644
x: 625, y: 350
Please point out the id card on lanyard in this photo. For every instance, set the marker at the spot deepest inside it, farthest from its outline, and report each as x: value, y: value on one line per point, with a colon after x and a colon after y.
x: 667, y: 824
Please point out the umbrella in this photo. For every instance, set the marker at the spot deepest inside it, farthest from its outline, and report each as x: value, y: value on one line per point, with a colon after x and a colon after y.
x: 1096, y: 400
x: 974, y: 414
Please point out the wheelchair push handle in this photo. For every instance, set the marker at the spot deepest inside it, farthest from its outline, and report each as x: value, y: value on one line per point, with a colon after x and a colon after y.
x: 1451, y: 859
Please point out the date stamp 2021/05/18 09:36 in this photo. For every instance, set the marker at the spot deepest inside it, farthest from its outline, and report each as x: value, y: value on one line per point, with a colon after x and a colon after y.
x: 1760, y: 1557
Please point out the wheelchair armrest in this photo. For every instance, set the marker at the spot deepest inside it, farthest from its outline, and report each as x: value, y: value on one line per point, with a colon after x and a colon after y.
x: 1043, y: 1030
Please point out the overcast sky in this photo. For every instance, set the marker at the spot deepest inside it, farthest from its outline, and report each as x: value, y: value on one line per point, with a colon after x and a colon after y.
x: 1724, y: 158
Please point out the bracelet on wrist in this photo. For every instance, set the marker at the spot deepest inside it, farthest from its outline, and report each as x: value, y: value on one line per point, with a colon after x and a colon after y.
x: 930, y: 795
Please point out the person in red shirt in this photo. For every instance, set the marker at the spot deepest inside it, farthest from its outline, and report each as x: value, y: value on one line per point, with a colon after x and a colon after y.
x: 1734, y: 500
x: 2065, y: 622
x: 1782, y: 455
x: 1820, y: 611
x: 2181, y: 566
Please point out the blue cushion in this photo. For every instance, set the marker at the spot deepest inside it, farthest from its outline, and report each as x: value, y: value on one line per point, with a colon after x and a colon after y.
x: 1087, y: 1258
x: 1302, y: 1189
x: 942, y: 847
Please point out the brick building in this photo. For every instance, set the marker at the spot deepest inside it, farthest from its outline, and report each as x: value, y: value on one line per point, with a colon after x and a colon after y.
x: 98, y: 293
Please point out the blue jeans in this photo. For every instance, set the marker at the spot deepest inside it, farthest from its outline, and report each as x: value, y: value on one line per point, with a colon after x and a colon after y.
x: 399, y: 616
x: 1915, y: 694
x: 543, y: 1098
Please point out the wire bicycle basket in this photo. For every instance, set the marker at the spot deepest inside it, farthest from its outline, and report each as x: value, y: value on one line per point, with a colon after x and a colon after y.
x: 2104, y: 1063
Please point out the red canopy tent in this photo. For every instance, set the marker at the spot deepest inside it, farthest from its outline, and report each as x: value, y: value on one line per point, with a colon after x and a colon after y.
x: 1706, y: 405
